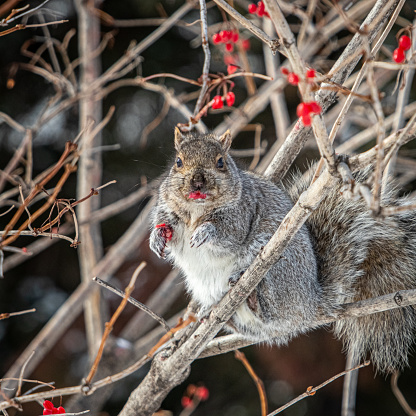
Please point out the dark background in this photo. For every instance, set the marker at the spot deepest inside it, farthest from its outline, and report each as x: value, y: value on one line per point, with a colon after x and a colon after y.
x: 45, y: 281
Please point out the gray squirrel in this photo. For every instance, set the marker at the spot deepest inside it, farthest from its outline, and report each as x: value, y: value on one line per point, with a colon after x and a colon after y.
x: 211, y: 220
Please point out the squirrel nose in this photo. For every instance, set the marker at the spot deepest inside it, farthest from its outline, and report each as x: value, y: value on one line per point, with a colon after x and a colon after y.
x: 198, y: 181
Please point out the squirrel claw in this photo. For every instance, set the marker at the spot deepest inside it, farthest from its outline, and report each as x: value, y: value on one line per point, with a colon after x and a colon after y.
x: 202, y: 234
x: 159, y: 237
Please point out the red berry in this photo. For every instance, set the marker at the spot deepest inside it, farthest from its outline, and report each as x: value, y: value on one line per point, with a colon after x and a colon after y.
x: 218, y: 103
x: 223, y: 35
x: 252, y: 8
x: 302, y: 109
x: 260, y: 9
x: 230, y: 98
x: 306, y: 120
x: 202, y: 393
x: 231, y: 69
x: 186, y: 401
x: 47, y: 412
x: 60, y: 410
x: 314, y: 107
x: 405, y: 43
x: 47, y: 404
x: 216, y: 38
x: 227, y: 35
x: 310, y: 73
x: 245, y: 44
x: 399, y: 55
x: 229, y: 47
x: 235, y: 37
x: 293, y: 78
x: 284, y: 71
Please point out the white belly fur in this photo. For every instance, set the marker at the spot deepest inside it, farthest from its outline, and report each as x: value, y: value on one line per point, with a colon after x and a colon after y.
x: 206, y: 274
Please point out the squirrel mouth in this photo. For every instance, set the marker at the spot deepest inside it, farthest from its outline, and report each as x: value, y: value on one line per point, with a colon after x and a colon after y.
x: 197, y: 195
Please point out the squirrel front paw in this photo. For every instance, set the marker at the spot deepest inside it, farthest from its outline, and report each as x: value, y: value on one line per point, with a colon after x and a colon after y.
x: 159, y: 237
x: 203, y: 234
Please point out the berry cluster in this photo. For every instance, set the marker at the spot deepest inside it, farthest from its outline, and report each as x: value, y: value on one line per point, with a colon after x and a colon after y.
x: 404, y: 45
x: 228, y: 37
x: 294, y: 79
x: 50, y: 409
x: 218, y: 100
x: 194, y: 395
x: 258, y: 9
x: 305, y: 110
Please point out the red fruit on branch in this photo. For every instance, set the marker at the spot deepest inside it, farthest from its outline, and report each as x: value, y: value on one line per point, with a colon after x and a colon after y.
x: 216, y: 38
x: 229, y: 47
x: 218, y: 103
x: 252, y: 8
x: 231, y: 69
x: 405, y: 43
x: 245, y: 44
x: 230, y: 98
x: 293, y: 78
x: 314, y: 107
x: 260, y: 9
x: 302, y: 110
x: 310, y: 73
x: 202, y: 393
x: 399, y: 55
x: 186, y: 401
x: 306, y: 120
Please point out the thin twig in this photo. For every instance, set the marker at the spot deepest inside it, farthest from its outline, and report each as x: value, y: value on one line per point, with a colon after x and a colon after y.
x: 207, y: 57
x: 134, y: 302
x: 310, y: 391
x: 19, y: 385
x: 109, y: 325
x: 7, y: 315
x: 399, y: 395
x: 257, y: 380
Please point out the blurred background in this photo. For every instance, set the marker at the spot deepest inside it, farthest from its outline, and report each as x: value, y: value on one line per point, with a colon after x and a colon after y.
x: 137, y: 147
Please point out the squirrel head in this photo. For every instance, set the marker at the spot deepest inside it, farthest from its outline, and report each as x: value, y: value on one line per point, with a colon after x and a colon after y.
x: 203, y: 174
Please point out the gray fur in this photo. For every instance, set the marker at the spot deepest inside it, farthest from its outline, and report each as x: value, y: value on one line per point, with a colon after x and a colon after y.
x: 342, y: 255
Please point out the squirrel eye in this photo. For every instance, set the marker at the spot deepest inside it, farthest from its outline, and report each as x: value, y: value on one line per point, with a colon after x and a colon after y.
x: 179, y: 162
x: 220, y: 163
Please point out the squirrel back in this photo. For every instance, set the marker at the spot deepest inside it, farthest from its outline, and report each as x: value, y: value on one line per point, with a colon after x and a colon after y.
x: 212, y: 219
x: 361, y: 257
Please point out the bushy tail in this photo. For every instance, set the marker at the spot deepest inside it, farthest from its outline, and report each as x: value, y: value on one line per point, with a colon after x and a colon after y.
x: 361, y: 257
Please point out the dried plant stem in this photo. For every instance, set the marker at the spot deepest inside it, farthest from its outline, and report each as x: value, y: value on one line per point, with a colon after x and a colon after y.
x: 207, y: 57
x: 109, y: 325
x: 283, y: 159
x: 310, y: 391
x: 69, y: 311
x: 365, y: 307
x: 133, y: 301
x: 347, y: 104
x: 272, y: 43
x: 399, y: 395
x: 7, y: 315
x: 257, y: 380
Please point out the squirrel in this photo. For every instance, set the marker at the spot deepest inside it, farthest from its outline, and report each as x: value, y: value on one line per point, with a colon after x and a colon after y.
x: 212, y: 219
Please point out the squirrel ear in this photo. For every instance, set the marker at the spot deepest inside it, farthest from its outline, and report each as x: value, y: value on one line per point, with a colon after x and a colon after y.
x: 226, y: 140
x: 178, y: 138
